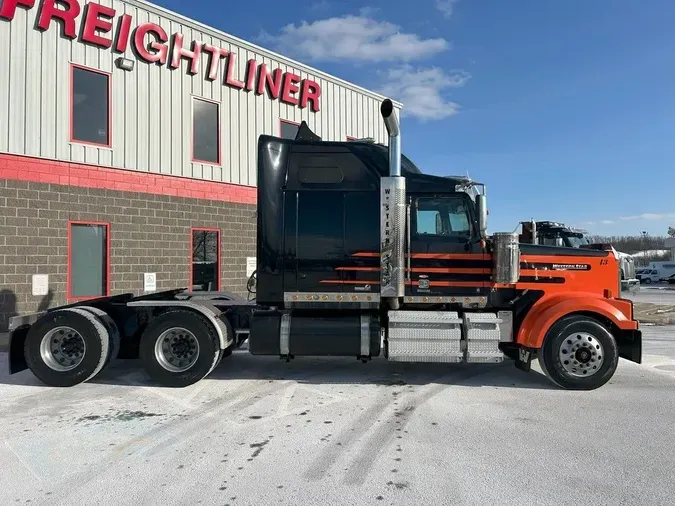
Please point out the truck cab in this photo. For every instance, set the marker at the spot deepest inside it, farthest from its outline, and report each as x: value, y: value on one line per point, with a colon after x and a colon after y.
x: 361, y: 254
x: 552, y: 233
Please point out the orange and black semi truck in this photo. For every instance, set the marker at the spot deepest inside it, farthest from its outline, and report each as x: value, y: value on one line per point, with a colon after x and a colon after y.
x: 359, y: 254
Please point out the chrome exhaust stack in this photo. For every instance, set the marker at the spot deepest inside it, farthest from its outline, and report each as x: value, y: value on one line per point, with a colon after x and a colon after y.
x: 392, y: 214
x: 391, y: 124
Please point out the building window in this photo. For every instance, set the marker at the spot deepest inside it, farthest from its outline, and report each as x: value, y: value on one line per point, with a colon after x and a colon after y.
x: 90, y: 102
x: 288, y: 129
x: 205, y: 132
x: 88, y: 260
x: 205, y: 259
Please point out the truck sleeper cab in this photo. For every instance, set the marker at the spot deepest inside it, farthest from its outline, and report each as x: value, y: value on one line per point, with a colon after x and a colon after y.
x: 360, y: 255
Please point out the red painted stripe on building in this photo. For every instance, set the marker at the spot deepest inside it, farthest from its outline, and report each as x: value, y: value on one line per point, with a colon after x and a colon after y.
x: 38, y: 170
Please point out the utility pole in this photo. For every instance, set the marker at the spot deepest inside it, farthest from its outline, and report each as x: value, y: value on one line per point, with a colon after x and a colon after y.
x: 644, y: 247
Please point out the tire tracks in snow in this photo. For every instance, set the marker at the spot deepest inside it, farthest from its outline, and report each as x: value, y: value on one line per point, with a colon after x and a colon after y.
x: 383, y: 433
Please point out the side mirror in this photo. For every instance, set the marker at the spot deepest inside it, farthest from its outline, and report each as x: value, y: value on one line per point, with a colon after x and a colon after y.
x: 481, y: 206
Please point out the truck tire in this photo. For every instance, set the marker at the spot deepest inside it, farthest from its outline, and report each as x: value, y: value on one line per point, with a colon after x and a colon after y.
x: 67, y: 347
x: 179, y: 348
x: 112, y: 329
x: 579, y: 353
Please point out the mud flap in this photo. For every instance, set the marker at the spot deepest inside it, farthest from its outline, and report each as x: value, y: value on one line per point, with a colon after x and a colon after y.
x: 524, y: 360
x: 629, y: 343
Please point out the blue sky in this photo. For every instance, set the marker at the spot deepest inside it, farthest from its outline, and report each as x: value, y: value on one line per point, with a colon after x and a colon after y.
x: 564, y: 108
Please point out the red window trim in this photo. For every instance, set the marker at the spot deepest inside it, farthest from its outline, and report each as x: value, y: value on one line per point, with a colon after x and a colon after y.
x: 69, y: 295
x: 287, y: 121
x: 73, y: 66
x: 350, y: 138
x: 194, y: 159
x: 191, y: 252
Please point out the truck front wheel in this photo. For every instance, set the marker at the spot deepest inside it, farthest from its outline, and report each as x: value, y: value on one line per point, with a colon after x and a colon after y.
x: 579, y: 353
x: 179, y: 348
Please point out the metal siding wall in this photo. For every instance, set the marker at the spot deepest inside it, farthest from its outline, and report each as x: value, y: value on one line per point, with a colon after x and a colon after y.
x: 17, y: 91
x: 34, y: 64
x: 159, y: 121
x: 151, y: 108
x: 5, y: 76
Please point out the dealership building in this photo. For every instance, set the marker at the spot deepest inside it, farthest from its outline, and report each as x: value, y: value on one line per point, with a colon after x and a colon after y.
x: 128, y: 138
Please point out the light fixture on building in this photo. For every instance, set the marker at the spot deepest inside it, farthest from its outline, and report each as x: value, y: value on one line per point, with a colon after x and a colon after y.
x: 125, y: 64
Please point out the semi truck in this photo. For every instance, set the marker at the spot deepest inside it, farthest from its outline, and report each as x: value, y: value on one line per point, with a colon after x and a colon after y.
x: 559, y: 234
x: 359, y: 254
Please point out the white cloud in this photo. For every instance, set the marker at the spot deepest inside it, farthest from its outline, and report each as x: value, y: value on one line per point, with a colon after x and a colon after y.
x: 649, y: 216
x: 644, y: 217
x: 422, y: 90
x: 353, y: 38
x: 446, y: 7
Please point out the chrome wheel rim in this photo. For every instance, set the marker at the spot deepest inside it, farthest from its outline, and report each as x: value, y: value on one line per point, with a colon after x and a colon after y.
x: 176, y: 349
x: 581, y: 354
x: 62, y: 349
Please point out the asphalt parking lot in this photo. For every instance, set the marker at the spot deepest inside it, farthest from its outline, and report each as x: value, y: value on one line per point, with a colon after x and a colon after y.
x: 323, y: 431
x: 654, y: 294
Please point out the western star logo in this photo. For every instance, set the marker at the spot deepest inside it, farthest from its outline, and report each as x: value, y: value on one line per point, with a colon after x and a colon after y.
x: 571, y: 267
x: 385, y: 258
x: 151, y: 43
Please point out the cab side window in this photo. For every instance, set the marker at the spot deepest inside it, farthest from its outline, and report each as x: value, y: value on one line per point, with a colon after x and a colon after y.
x: 442, y: 217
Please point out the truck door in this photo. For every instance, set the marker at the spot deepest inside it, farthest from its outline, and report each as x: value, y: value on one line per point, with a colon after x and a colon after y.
x: 446, y: 256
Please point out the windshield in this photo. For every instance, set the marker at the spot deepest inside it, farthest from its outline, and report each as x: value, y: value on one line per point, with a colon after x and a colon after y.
x: 575, y: 241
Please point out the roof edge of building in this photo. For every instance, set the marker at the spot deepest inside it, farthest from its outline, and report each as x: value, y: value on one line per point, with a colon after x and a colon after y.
x: 180, y: 18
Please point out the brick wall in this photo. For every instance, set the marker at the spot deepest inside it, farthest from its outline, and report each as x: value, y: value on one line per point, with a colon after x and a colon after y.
x: 149, y: 233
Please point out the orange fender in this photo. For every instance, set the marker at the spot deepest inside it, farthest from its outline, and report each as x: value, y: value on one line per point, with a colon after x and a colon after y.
x: 549, y: 310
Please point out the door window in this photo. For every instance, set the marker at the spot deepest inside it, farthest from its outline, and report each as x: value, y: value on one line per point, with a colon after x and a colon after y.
x: 442, y: 217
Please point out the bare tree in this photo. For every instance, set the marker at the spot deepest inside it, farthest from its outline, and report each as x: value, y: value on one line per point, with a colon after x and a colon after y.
x: 650, y: 248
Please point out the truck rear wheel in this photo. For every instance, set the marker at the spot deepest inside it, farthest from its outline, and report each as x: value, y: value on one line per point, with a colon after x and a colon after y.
x: 112, y: 329
x: 67, y: 347
x: 579, y: 353
x: 179, y: 348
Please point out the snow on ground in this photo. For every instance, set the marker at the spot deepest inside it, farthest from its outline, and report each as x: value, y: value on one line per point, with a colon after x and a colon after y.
x: 327, y: 431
